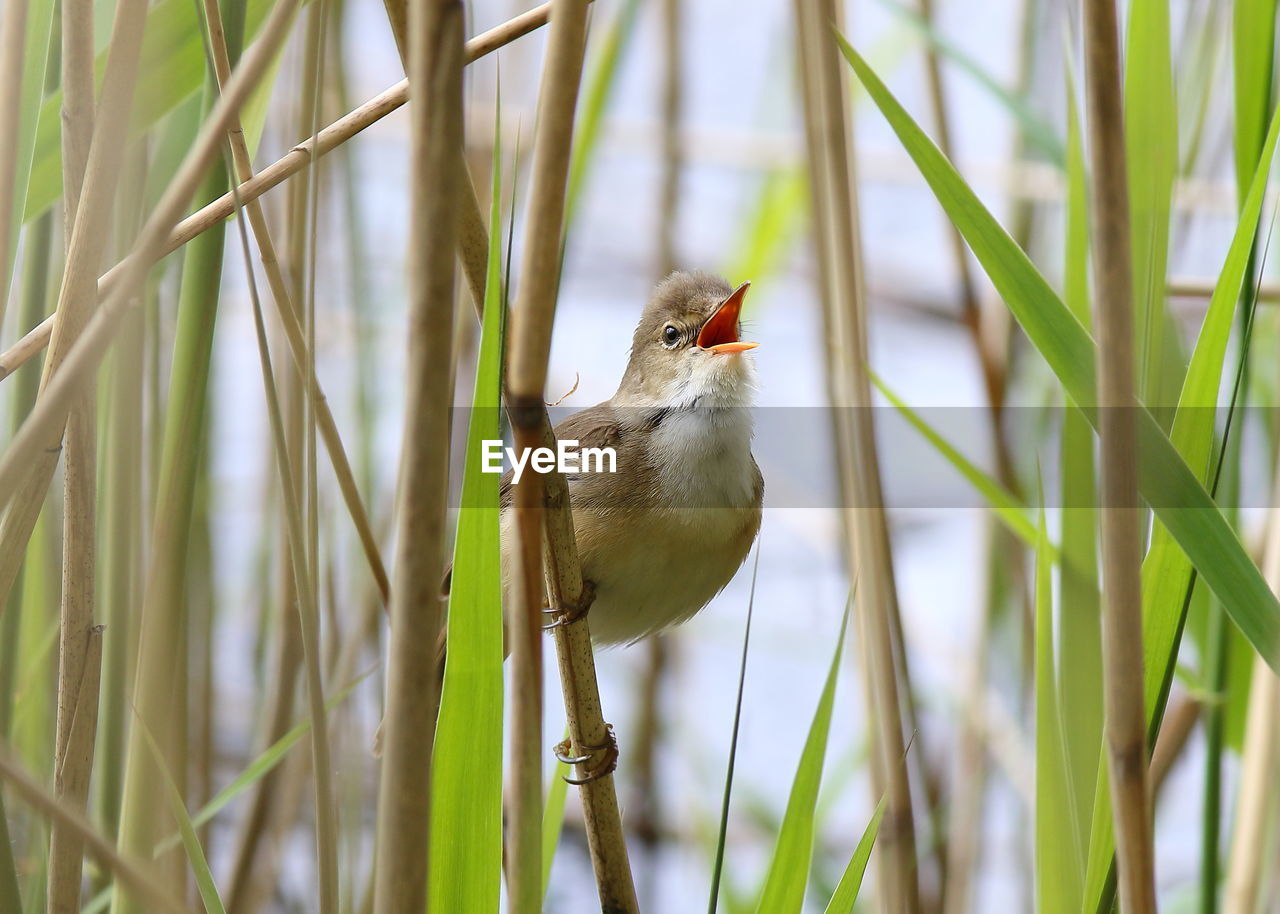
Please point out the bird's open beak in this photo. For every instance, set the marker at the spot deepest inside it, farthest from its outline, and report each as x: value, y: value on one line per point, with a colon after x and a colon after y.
x: 720, y: 332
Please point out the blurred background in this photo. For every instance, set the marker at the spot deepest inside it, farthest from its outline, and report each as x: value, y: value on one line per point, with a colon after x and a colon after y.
x: 689, y: 155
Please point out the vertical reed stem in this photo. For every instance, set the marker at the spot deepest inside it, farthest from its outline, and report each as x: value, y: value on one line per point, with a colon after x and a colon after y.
x: 1256, y: 802
x: 1125, y: 721
x: 435, y: 65
x: 532, y: 320
x: 832, y: 184
x: 13, y: 36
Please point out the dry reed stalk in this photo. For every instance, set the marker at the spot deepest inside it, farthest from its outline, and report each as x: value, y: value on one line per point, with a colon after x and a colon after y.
x: 969, y: 764
x: 92, y: 161
x: 646, y: 798
x: 135, y: 875
x: 436, y: 60
x: 291, y: 653
x: 77, y: 103
x: 328, y: 139
x: 1256, y: 802
x: 867, y: 538
x: 13, y: 34
x: 991, y: 370
x: 288, y: 312
x: 79, y: 651
x: 672, y: 155
x: 303, y: 577
x: 532, y: 319
x: 1124, y: 716
x: 958, y: 855
x: 473, y: 239
x: 523, y: 853
x: 258, y: 820
x: 1175, y: 732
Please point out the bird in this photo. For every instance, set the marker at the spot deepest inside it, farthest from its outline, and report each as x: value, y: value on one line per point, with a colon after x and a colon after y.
x: 663, y: 534
x: 666, y: 532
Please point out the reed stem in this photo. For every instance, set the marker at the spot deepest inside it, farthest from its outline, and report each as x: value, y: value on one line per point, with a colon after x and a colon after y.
x: 828, y: 134
x: 1121, y: 515
x: 531, y: 324
x: 404, y: 798
x: 13, y: 40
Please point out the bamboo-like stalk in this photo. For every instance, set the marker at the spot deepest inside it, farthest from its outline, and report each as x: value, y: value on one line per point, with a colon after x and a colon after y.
x: 1124, y: 715
x: 530, y: 347
x: 672, y: 157
x: 646, y: 797
x: 1256, y: 801
x: 328, y: 139
x: 13, y: 35
x: 135, y: 875
x: 78, y: 643
x: 1175, y: 732
x: 77, y: 103
x: 79, y: 651
x: 404, y: 795
x: 828, y: 128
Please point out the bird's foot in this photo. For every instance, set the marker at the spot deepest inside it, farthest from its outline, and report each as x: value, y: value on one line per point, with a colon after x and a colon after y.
x: 568, y: 614
x: 607, y: 764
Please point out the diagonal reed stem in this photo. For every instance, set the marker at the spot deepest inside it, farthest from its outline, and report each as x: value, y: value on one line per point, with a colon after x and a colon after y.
x: 135, y: 875
x: 288, y: 165
x: 1124, y: 715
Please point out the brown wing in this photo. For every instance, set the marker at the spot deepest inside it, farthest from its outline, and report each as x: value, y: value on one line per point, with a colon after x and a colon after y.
x: 595, y: 426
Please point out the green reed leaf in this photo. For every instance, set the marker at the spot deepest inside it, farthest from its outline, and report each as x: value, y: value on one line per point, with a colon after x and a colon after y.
x: 788, y: 874
x: 466, y: 813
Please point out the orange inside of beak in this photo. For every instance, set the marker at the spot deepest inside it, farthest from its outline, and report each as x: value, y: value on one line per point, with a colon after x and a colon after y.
x: 720, y: 332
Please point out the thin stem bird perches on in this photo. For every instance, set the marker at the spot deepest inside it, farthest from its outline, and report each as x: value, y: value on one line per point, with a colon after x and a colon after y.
x: 1122, y: 517
x: 530, y: 346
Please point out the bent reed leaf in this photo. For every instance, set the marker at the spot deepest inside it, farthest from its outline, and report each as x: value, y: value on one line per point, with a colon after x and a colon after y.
x: 1166, y: 481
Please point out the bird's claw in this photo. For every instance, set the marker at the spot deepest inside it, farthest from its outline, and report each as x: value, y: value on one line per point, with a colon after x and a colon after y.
x: 568, y: 614
x: 606, y: 766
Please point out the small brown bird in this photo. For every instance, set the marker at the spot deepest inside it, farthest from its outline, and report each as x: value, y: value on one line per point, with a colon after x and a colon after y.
x: 666, y: 532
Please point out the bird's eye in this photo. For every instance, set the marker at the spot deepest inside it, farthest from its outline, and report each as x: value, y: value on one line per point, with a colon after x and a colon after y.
x: 670, y: 335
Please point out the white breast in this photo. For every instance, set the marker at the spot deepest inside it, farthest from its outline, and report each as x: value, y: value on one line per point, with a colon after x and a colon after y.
x: 703, y: 458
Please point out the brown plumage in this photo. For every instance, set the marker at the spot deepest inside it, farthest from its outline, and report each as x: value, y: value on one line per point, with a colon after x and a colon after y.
x: 665, y: 533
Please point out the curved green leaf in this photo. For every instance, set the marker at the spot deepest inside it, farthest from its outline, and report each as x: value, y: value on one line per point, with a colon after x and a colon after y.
x: 788, y: 874
x: 1166, y: 481
x: 1007, y: 507
x: 846, y: 893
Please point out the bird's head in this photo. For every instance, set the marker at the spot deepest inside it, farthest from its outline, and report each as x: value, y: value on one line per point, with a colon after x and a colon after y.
x: 687, y: 349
